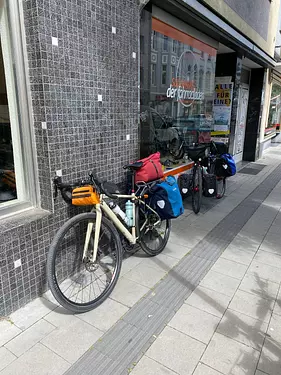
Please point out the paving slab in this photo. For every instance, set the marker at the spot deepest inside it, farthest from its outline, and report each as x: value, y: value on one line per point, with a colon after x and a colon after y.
x: 105, y: 315
x: 148, y: 366
x: 71, y: 341
x: 31, y: 313
x: 176, y: 351
x: 271, y: 242
x: 229, y: 268
x: 268, y: 258
x: 195, y: 323
x: 270, y: 359
x: 38, y: 360
x: 128, y: 292
x: 238, y: 255
x: 202, y: 369
x: 230, y: 357
x: 252, y: 305
x: 277, y: 306
x: 8, y: 331
x: 30, y: 337
x: 243, y: 329
x: 264, y: 271
x: 6, y: 358
x: 145, y: 275
x: 260, y: 287
x: 209, y: 301
x: 220, y: 283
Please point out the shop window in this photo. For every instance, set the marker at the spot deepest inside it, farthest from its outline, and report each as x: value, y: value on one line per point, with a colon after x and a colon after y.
x: 153, y: 74
x: 274, y: 117
x: 15, y: 150
x: 195, y: 74
x: 164, y: 74
x: 201, y: 79
x: 173, y: 72
x: 154, y: 40
x: 165, y: 43
x: 179, y: 108
x: 208, y: 82
x: 175, y: 44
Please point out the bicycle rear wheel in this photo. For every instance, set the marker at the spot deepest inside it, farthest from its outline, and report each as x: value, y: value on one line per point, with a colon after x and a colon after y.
x: 220, y: 186
x: 197, y: 189
x: 220, y: 183
x: 153, y: 233
x: 81, y: 285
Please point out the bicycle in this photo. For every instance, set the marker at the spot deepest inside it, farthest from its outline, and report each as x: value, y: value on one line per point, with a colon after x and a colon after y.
x: 212, y: 160
x: 196, y: 153
x: 87, y: 249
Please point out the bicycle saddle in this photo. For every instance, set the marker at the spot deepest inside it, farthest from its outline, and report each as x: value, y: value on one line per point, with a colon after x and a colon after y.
x: 136, y: 165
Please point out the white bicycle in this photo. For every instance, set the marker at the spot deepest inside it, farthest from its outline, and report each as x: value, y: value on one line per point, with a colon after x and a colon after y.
x: 85, y: 256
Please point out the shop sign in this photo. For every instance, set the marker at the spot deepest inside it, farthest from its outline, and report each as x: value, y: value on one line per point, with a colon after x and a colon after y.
x: 222, y: 106
x: 184, y: 92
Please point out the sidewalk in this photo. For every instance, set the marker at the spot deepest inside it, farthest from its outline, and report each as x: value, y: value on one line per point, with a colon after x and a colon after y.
x: 210, y: 304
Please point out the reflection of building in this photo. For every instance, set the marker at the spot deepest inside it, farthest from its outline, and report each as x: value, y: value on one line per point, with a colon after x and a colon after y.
x: 242, y: 61
x: 270, y: 126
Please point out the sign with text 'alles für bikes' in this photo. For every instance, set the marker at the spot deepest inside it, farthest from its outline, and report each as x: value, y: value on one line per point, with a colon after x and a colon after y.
x: 222, y: 106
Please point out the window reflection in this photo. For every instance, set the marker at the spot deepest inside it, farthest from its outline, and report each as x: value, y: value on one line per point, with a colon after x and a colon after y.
x: 177, y: 102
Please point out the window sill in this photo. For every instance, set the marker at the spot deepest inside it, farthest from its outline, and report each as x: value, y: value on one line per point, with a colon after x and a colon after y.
x: 21, y: 217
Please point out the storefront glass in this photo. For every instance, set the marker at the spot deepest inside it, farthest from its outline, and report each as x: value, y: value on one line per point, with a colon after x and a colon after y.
x: 177, y: 87
x: 274, y: 116
x: 7, y: 169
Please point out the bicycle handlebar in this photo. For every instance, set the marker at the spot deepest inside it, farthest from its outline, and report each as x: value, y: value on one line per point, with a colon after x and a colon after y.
x: 65, y: 188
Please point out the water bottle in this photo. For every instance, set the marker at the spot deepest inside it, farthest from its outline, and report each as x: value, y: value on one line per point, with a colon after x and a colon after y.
x: 129, y: 212
x: 117, y: 210
x: 205, y: 170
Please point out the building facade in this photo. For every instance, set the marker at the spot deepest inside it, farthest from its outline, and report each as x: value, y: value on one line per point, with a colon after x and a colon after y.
x: 91, y: 85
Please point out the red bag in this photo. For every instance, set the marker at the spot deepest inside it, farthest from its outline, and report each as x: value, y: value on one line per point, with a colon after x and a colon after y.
x: 151, y: 169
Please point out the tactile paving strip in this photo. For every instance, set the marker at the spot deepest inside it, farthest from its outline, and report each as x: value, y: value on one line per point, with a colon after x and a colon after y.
x: 126, y: 342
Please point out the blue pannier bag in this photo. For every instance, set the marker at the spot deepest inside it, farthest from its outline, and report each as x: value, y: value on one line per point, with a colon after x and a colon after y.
x: 166, y: 199
x: 231, y: 166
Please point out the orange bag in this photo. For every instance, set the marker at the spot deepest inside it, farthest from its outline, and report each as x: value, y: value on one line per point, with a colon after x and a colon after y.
x: 85, y: 196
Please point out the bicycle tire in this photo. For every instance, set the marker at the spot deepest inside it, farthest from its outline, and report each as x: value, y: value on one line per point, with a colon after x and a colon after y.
x: 220, y: 183
x: 197, y: 190
x: 220, y: 189
x: 51, y: 271
x: 141, y: 238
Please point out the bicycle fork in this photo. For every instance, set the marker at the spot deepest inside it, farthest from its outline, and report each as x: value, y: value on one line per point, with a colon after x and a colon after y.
x: 97, y: 235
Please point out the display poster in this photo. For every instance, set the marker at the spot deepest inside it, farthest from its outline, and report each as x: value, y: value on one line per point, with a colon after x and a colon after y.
x: 222, y: 107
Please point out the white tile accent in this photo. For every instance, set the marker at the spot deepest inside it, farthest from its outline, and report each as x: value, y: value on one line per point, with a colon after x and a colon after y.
x: 59, y: 172
x: 55, y: 41
x: 134, y: 55
x: 44, y: 125
x: 128, y: 137
x: 113, y: 30
x: 99, y: 98
x: 17, y: 263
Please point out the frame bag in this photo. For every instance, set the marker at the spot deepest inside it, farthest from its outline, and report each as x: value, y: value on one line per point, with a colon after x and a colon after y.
x: 151, y: 169
x: 166, y: 199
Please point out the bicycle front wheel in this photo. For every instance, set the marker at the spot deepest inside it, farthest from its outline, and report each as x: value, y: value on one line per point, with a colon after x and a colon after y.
x: 78, y: 283
x: 153, y: 233
x: 197, y: 189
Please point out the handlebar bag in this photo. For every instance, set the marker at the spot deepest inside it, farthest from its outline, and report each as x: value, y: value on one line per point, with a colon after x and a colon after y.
x: 166, y: 199
x: 85, y: 196
x: 151, y: 169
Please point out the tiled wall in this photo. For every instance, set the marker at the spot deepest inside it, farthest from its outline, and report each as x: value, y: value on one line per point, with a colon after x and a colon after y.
x: 83, y: 71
